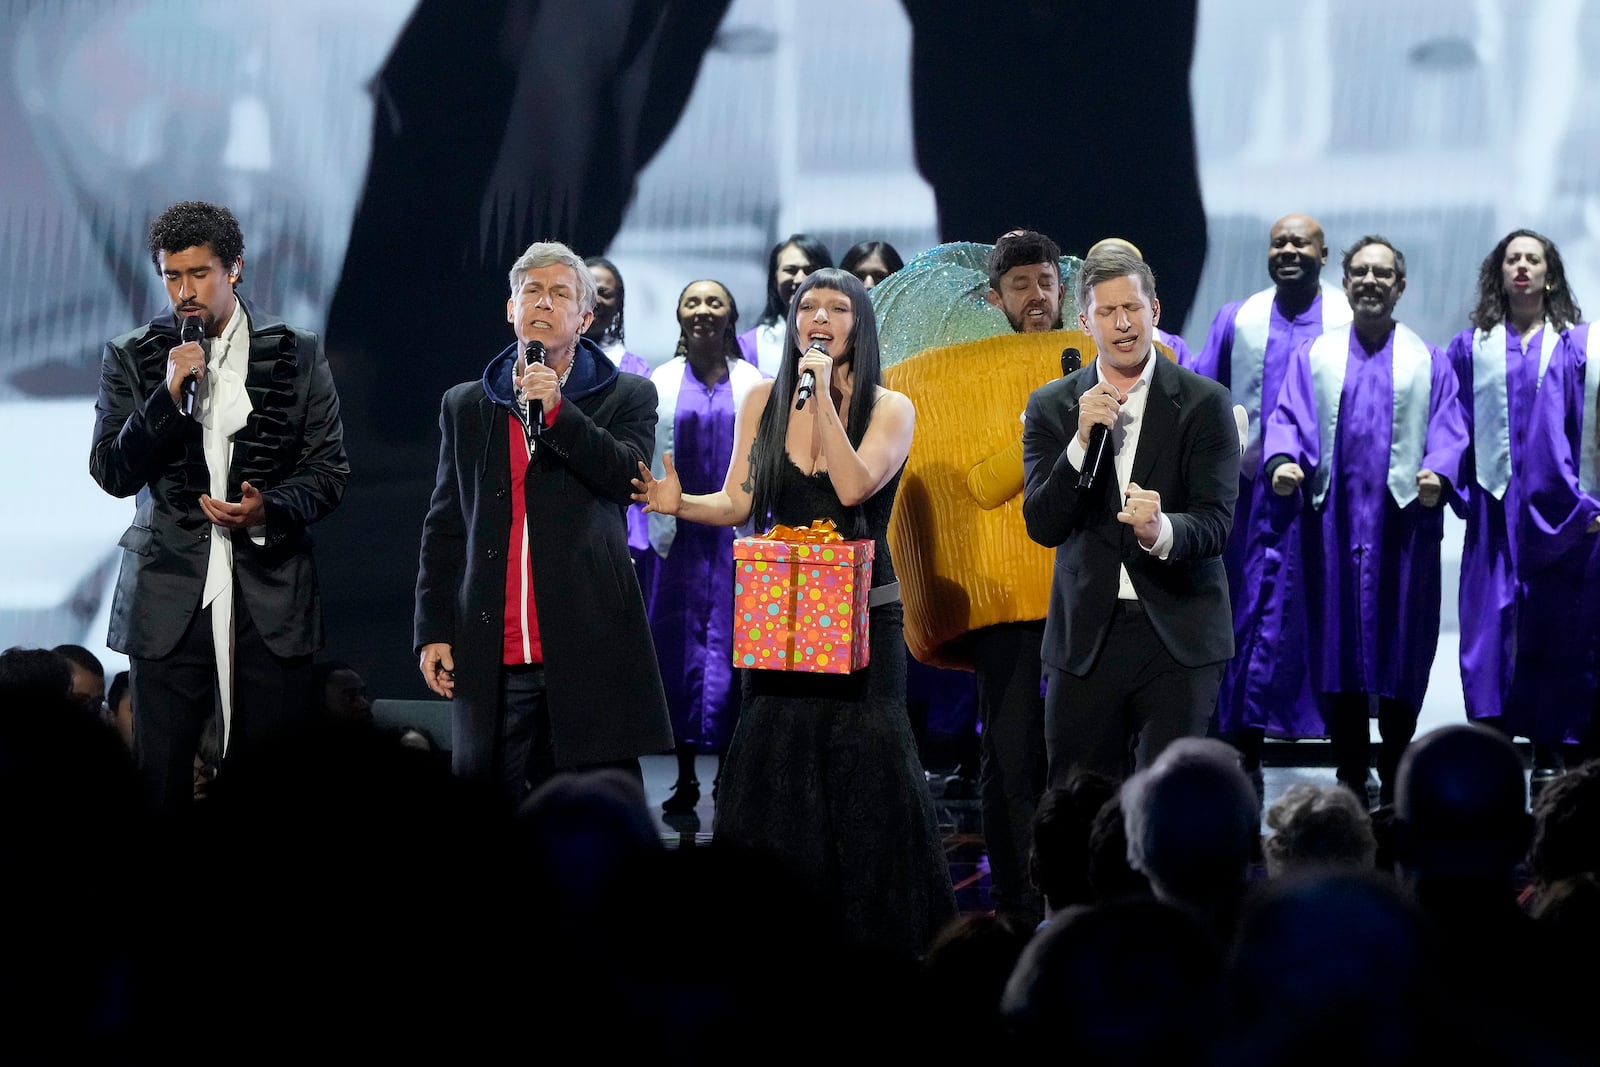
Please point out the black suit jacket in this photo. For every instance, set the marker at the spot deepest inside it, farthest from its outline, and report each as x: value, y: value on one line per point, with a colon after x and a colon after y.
x: 1189, y: 453
x: 291, y: 449
x: 602, y: 685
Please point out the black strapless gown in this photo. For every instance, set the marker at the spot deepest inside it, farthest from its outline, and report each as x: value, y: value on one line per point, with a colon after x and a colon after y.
x: 823, y: 770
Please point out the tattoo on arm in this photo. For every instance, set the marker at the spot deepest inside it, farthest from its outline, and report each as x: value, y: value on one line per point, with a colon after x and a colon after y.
x: 749, y: 483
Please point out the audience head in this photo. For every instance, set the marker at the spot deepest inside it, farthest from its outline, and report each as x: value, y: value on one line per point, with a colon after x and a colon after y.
x: 1025, y: 281
x: 1566, y: 826
x: 1062, y: 822
x: 871, y: 261
x: 119, y: 707
x: 708, y: 317
x: 579, y: 830
x: 606, y: 326
x: 1461, y: 806
x: 34, y: 676
x: 789, y: 263
x: 74, y: 839
x: 965, y: 971
x: 1332, y: 966
x: 1193, y: 825
x: 1130, y: 981
x: 1524, y: 261
x: 1314, y: 824
x: 356, y: 859
x: 88, y: 677
x: 341, y: 692
x: 1110, y: 874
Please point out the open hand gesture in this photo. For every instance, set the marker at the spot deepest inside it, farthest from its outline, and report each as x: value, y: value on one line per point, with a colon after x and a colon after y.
x: 661, y: 495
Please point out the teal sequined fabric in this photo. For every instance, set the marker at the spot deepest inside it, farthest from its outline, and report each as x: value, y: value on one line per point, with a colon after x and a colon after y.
x: 940, y: 298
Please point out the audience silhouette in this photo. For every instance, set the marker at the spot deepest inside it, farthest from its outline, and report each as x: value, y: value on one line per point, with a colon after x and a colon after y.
x: 326, y: 896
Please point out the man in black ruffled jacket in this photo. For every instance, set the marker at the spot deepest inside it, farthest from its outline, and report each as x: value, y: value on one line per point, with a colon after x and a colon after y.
x: 233, y: 446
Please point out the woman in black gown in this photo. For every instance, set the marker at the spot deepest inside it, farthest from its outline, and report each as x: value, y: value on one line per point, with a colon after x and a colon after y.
x: 823, y: 769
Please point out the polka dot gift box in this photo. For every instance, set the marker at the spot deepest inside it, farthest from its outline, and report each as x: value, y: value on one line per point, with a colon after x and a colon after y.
x: 800, y: 600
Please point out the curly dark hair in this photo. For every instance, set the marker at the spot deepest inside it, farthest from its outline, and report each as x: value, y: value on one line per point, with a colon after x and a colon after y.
x: 1494, y: 308
x: 192, y: 223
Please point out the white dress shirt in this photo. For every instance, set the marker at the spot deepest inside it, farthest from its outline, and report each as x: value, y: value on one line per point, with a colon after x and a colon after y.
x: 1125, y: 445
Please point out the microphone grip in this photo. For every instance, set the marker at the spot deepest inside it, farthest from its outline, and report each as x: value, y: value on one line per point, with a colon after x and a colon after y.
x: 192, y: 331
x: 1091, y: 457
x: 808, y: 385
x: 532, y: 410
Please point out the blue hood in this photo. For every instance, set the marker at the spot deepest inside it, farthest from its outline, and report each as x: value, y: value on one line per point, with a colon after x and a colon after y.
x: 591, y: 373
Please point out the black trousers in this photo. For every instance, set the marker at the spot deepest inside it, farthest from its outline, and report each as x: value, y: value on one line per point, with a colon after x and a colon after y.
x: 1012, y: 756
x: 1349, y: 721
x: 1134, y: 702
x: 524, y: 751
x: 175, y: 698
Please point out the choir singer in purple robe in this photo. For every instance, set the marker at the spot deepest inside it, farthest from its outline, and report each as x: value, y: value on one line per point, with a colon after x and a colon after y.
x: 1369, y: 428
x: 691, y: 596
x: 1524, y: 305
x: 1555, y: 693
x: 1266, y: 687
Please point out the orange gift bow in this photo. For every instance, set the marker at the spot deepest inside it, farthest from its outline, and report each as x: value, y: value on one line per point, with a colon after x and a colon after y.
x: 820, y: 532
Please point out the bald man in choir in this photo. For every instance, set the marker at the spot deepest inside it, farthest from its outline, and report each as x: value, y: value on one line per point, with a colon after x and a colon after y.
x: 1266, y: 687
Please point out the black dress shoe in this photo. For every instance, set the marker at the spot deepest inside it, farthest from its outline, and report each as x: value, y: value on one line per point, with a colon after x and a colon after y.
x: 685, y: 795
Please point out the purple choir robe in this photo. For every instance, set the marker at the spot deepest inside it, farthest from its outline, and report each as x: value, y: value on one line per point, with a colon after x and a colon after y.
x: 691, y: 598
x: 638, y: 529
x: 762, y: 347
x: 1373, y: 567
x: 1267, y: 684
x: 1179, y: 348
x: 1557, y: 683
x: 1490, y: 592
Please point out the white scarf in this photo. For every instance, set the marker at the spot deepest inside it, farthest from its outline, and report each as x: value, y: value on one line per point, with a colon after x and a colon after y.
x: 221, y: 407
x: 1252, y: 327
x: 1589, y: 448
x: 1491, y: 406
x: 1413, y: 391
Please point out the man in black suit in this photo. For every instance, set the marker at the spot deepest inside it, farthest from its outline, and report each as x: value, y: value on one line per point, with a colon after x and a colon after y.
x: 234, y: 446
x: 1139, y: 625
x: 528, y: 613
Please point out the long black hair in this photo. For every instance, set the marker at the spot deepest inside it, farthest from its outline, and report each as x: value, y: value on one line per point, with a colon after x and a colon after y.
x: 769, y: 455
x: 1494, y: 307
x: 816, y: 254
x: 862, y: 251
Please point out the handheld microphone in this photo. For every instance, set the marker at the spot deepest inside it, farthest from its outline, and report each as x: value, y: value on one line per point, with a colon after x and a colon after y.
x: 193, y: 329
x: 808, y: 380
x: 1092, y: 456
x: 1071, y: 360
x: 532, y: 410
